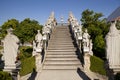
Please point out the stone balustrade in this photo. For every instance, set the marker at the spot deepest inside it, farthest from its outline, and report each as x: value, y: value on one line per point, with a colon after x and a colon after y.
x: 41, y: 40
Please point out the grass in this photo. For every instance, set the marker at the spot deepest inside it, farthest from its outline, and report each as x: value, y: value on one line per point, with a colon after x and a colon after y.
x: 97, y: 65
x: 27, y: 66
x: 27, y: 61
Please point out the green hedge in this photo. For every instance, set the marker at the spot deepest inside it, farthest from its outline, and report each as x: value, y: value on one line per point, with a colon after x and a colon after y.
x: 5, y: 76
x: 97, y: 65
x: 27, y: 61
x: 27, y: 66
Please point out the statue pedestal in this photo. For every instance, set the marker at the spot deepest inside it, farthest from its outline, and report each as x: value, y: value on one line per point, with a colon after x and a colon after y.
x: 38, y: 58
x: 39, y: 50
x: 86, y: 50
x: 87, y: 62
x: 9, y: 68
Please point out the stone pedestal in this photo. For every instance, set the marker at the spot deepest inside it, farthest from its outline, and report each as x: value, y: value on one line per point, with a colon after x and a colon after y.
x: 86, y: 50
x: 38, y: 58
x: 87, y: 62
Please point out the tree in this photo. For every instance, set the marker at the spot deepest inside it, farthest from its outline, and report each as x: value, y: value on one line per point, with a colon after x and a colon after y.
x: 27, y: 30
x: 97, y: 28
x: 12, y: 23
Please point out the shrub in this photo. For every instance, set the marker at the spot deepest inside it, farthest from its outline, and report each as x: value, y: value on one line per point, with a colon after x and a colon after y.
x: 27, y: 61
x: 27, y: 66
x: 5, y: 76
x: 97, y: 65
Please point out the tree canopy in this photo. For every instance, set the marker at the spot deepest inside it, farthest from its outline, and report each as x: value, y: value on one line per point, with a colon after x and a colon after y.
x: 27, y: 30
x: 97, y: 28
x: 13, y: 23
x: 24, y: 30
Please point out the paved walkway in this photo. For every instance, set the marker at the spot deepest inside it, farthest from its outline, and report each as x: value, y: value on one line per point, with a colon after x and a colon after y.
x: 59, y: 75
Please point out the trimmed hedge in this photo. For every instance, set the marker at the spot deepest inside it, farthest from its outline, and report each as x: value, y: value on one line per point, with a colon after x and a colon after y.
x: 5, y: 76
x: 27, y: 61
x: 97, y: 65
x: 27, y: 66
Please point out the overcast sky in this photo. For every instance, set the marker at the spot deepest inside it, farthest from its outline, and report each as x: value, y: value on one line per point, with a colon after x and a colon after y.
x: 40, y: 9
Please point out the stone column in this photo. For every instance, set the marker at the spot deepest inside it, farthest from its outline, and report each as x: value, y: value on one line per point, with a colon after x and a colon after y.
x: 38, y: 58
x: 87, y: 62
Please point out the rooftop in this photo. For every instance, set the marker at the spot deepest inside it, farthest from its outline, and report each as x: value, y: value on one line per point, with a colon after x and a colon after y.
x: 115, y: 15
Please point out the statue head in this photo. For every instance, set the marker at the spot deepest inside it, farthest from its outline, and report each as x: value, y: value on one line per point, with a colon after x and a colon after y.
x: 9, y: 31
x: 38, y: 31
x: 86, y: 31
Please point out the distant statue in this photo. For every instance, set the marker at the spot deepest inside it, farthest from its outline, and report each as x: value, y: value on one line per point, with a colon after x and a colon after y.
x: 86, y: 38
x: 11, y: 45
x: 90, y: 47
x: 38, y: 40
x: 62, y: 19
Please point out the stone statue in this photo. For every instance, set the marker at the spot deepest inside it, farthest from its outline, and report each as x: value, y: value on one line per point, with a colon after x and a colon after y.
x: 90, y: 47
x: 86, y: 38
x: 11, y: 45
x: 113, y: 48
x: 39, y: 43
x: 62, y: 19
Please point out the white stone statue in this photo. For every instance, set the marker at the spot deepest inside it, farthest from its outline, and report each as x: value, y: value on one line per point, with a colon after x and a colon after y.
x: 86, y: 38
x: 39, y: 43
x: 113, y: 48
x: 90, y: 47
x: 62, y: 19
x: 11, y: 45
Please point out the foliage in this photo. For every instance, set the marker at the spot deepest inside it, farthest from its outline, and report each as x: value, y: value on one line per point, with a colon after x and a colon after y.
x: 25, y: 52
x: 26, y: 59
x: 13, y: 23
x: 5, y: 76
x: 97, y: 65
x: 99, y: 46
x: 1, y: 47
x: 27, y: 30
x: 118, y: 24
x: 27, y: 65
x: 97, y: 28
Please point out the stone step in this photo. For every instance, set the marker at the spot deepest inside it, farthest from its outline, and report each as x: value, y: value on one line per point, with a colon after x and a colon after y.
x: 61, y: 52
x: 74, y: 58
x: 61, y: 56
x: 63, y: 67
x: 68, y: 50
x: 60, y: 40
x: 58, y: 43
x: 52, y: 45
x: 62, y: 62
x: 60, y: 48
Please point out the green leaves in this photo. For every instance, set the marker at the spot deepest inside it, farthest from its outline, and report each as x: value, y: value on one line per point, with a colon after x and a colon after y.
x: 97, y: 28
x: 5, y: 76
x: 13, y: 23
x: 27, y: 30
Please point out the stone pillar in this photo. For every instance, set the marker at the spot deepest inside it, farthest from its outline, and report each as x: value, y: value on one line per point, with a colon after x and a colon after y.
x: 87, y: 62
x: 38, y: 58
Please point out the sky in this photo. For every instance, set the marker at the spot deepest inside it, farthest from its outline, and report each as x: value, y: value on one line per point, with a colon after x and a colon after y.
x: 41, y: 9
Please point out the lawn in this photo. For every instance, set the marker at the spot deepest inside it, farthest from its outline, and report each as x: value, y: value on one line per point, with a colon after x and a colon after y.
x: 97, y: 65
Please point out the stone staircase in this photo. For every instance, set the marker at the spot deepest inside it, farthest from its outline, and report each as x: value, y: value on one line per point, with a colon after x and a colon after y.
x: 61, y: 52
